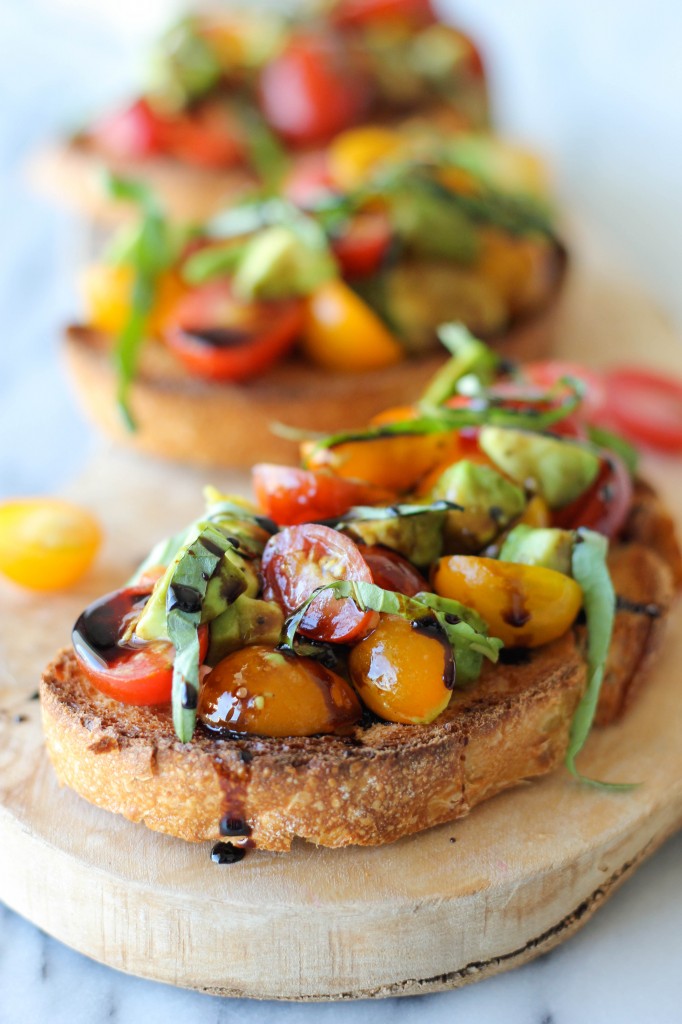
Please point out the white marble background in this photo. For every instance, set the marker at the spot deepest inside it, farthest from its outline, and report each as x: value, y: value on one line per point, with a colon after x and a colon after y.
x: 598, y: 83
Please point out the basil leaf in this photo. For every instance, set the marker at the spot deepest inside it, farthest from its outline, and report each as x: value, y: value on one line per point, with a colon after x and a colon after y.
x: 591, y: 572
x: 266, y: 154
x: 213, y: 261
x: 469, y: 356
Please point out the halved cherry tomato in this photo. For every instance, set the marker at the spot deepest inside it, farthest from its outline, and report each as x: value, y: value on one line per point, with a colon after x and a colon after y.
x: 343, y: 333
x: 307, y: 93
x: 134, y: 133
x: 217, y: 336
x: 46, y: 543
x: 355, y: 155
x: 646, y: 406
x: 132, y: 674
x: 308, y: 179
x: 292, y: 496
x: 299, y: 559
x: 524, y: 605
x: 393, y: 572
x: 366, y: 12
x: 363, y: 245
x: 605, y: 506
x: 261, y: 690
x: 208, y: 136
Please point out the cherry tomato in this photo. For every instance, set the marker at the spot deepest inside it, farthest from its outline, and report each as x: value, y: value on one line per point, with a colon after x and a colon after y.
x: 133, y: 674
x: 299, y: 559
x: 261, y: 690
x: 292, y: 496
x: 646, y: 406
x: 605, y: 506
x: 342, y: 332
x: 134, y: 133
x: 404, y: 672
x: 308, y: 179
x: 307, y: 93
x: 107, y: 293
x: 46, y: 543
x: 363, y: 245
x: 349, y: 13
x: 217, y: 336
x: 206, y: 137
x: 393, y: 572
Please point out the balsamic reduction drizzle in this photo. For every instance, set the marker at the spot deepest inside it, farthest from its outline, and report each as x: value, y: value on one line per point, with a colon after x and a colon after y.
x: 226, y: 853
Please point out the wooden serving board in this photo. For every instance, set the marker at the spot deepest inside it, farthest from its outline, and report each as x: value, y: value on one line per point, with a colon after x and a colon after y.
x: 431, y: 912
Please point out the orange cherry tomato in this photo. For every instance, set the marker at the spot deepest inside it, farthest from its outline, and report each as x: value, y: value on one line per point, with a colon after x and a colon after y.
x: 404, y: 671
x: 392, y: 571
x: 355, y: 155
x: 306, y: 92
x: 299, y: 559
x: 46, y: 543
x: 132, y: 673
x: 397, y: 461
x: 363, y: 244
x: 265, y: 691
x: 341, y: 332
x: 107, y: 294
x: 291, y: 496
x: 217, y: 336
x: 524, y: 605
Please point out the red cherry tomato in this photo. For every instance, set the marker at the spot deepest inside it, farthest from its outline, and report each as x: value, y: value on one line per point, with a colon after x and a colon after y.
x: 646, y: 406
x: 393, y: 572
x: 292, y: 496
x: 301, y: 558
x: 206, y: 137
x: 133, y: 133
x: 363, y: 245
x: 307, y: 92
x: 605, y: 506
x: 308, y: 179
x: 217, y: 336
x: 546, y: 374
x: 134, y: 675
x: 366, y: 12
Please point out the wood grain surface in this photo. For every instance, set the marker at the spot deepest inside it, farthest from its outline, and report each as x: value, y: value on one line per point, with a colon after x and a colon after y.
x: 430, y: 912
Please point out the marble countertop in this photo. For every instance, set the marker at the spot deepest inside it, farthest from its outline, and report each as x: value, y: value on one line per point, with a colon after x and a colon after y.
x: 602, y: 96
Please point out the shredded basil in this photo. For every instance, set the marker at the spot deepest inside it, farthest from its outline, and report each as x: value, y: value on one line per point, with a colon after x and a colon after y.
x: 469, y: 357
x: 616, y: 444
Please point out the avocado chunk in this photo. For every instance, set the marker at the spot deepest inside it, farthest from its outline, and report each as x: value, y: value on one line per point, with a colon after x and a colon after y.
x: 246, y: 621
x: 418, y: 537
x: 558, y: 470
x: 489, y: 503
x: 549, y: 548
x: 279, y: 262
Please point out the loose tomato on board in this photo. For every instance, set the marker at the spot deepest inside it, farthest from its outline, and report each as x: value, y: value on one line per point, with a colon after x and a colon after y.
x: 133, y: 133
x: 134, y: 674
x: 46, y: 543
x: 393, y: 572
x: 307, y: 92
x: 348, y: 13
x: 292, y: 496
x: 217, y: 336
x: 605, y: 506
x: 299, y: 559
x: 362, y: 246
x: 646, y: 406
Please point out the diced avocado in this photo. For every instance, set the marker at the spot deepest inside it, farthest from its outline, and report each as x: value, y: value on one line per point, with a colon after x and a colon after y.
x: 559, y: 470
x: 418, y: 537
x: 246, y: 621
x: 489, y: 503
x: 552, y: 549
x: 279, y: 262
x: 431, y: 223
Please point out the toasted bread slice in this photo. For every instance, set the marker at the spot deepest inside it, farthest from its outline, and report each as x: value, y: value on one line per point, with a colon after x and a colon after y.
x: 222, y: 424
x: 380, y: 783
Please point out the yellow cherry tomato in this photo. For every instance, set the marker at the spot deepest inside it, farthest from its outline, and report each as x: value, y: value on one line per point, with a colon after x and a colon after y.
x: 396, y: 462
x: 524, y: 605
x: 521, y: 270
x: 107, y: 292
x: 536, y: 513
x: 403, y: 673
x: 342, y: 333
x: 46, y: 543
x: 355, y: 154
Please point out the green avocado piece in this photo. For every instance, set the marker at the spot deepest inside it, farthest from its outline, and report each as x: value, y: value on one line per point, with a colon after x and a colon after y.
x: 246, y: 621
x: 489, y: 503
x: 418, y: 537
x: 279, y: 262
x: 431, y: 224
x: 550, y: 548
x: 559, y: 470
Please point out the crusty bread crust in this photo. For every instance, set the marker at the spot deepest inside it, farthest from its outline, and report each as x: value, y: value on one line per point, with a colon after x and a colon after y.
x: 222, y: 424
x: 382, y: 782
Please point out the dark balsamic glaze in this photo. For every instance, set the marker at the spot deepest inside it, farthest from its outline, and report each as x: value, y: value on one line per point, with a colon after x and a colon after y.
x: 231, y: 826
x: 190, y: 696
x: 35, y: 695
x: 97, y: 633
x: 227, y: 853
x: 431, y: 627
x: 234, y: 782
x: 211, y: 546
x: 516, y: 614
x: 515, y: 656
x: 186, y: 598
x: 220, y: 337
x: 623, y: 604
